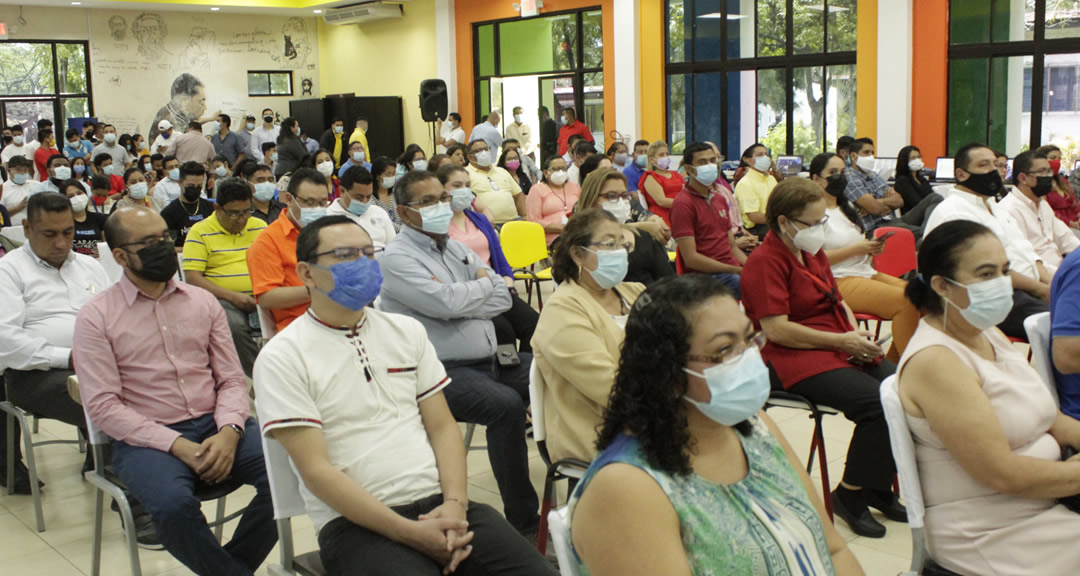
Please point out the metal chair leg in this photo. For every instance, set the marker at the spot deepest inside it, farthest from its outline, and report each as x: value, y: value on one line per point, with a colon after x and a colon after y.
x: 10, y: 447
x: 545, y: 507
x: 37, y: 421
x: 99, y: 511
x: 219, y: 530
x: 470, y: 429
x: 28, y: 453
x: 826, y: 486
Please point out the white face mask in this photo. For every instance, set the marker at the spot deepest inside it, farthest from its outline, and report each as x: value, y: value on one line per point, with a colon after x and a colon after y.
x: 915, y: 165
x: 989, y: 302
x: 762, y: 163
x: 559, y: 177
x: 388, y: 182
x: 517, y: 118
x: 865, y: 163
x: 325, y: 168
x: 809, y: 239
x: 620, y: 209
x: 79, y: 203
x: 483, y: 159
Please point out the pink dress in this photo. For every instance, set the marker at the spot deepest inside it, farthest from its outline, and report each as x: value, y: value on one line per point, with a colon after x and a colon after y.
x: 546, y: 206
x: 970, y: 528
x: 472, y: 237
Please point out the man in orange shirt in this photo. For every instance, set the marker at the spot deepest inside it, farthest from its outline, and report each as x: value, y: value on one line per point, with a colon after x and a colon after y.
x: 272, y: 257
x: 571, y: 125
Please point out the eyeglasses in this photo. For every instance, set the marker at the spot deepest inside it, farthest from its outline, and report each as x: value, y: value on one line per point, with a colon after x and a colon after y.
x: 478, y: 150
x: 429, y: 201
x: 349, y: 253
x: 733, y: 352
x: 610, y: 245
x: 615, y: 196
x: 311, y: 202
x: 812, y: 224
x: 150, y: 240
x: 238, y: 215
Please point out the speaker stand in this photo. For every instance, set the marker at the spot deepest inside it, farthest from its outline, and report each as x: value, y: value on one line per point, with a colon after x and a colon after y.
x: 434, y: 140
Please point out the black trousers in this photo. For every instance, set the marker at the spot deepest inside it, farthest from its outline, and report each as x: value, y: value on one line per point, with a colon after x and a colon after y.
x: 348, y: 549
x: 44, y: 392
x: 856, y: 393
x: 1024, y: 305
x: 516, y: 325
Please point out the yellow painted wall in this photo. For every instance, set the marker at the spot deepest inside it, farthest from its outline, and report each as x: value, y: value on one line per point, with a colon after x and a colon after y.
x: 866, y: 70
x: 653, y: 93
x: 386, y: 58
x: 45, y: 23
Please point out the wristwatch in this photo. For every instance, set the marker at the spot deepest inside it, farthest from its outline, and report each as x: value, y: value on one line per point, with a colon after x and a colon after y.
x: 239, y: 430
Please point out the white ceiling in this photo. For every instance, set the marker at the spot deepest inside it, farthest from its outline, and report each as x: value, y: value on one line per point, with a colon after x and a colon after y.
x: 181, y: 7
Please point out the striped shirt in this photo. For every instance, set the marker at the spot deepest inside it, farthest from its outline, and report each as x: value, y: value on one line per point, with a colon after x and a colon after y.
x: 220, y: 255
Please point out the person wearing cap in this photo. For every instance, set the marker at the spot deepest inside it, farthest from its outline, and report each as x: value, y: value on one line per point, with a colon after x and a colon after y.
x: 164, y: 144
x: 16, y: 190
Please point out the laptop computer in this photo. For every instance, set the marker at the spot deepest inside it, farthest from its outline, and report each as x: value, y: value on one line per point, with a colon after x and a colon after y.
x: 789, y: 165
x: 885, y: 167
x: 944, y: 172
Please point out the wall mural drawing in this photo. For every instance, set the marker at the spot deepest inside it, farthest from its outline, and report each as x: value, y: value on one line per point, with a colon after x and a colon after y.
x: 150, y: 30
x: 118, y: 28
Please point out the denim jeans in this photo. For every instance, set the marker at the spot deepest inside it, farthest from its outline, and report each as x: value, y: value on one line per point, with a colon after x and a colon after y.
x: 166, y: 487
x: 484, y: 393
x: 732, y: 281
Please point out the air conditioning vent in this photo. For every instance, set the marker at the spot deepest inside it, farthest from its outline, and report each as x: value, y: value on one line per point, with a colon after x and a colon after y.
x: 363, y: 13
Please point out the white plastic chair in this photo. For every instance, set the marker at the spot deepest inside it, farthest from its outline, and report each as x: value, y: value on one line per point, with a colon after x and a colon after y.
x: 285, y: 492
x: 559, y: 524
x: 15, y: 233
x: 112, y: 269
x: 1037, y: 327
x: 563, y: 469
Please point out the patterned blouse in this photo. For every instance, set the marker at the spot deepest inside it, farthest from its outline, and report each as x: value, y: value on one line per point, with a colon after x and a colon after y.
x: 763, y: 525
x: 390, y: 205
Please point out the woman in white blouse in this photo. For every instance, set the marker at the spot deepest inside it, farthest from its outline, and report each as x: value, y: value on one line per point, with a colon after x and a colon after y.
x: 850, y: 254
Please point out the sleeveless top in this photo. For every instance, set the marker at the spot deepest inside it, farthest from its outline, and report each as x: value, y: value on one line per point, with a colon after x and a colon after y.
x: 764, y: 524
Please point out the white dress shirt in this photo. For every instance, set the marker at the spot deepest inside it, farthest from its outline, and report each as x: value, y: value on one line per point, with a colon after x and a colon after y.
x: 448, y: 133
x: 260, y: 135
x: 960, y: 205
x: 376, y: 222
x: 1051, y: 237
x: 37, y: 318
x: 15, y: 193
x: 169, y: 144
x: 573, y: 174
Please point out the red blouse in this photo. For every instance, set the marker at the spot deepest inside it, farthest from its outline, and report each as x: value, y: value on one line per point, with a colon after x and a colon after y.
x: 1066, y: 207
x: 774, y: 283
x: 671, y: 187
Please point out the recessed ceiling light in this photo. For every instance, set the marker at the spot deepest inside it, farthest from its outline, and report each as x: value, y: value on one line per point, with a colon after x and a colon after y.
x: 215, y: 9
x: 76, y: 3
x: 317, y: 11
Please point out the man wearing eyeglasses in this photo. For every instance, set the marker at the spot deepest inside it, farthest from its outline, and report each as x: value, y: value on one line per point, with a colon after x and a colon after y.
x: 1051, y: 236
x: 272, y: 257
x: 448, y: 288
x: 701, y: 221
x: 159, y: 374
x: 215, y: 259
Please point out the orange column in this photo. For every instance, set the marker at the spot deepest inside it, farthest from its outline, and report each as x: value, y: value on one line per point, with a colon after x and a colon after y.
x: 930, y: 61
x: 866, y: 70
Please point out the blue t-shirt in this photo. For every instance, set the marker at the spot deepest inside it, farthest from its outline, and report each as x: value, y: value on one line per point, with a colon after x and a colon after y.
x: 1065, y: 322
x: 633, y: 175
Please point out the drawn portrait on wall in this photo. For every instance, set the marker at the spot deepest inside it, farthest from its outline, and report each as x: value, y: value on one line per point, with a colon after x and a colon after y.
x: 305, y: 87
x: 297, y: 45
x: 187, y: 103
x: 150, y: 30
x: 118, y: 28
x: 197, y: 52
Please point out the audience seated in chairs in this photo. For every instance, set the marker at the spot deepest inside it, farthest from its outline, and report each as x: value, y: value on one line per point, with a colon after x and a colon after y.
x: 384, y: 476
x: 272, y: 257
x: 1026, y: 203
x: 191, y: 207
x: 815, y: 351
x: 443, y: 284
x: 577, y: 341
x: 474, y: 230
x: 754, y: 181
x: 551, y: 201
x: 355, y: 202
x: 988, y: 436
x: 43, y: 284
x: 850, y: 255
x: 215, y: 259
x: 692, y: 477
x: 159, y: 374
x: 659, y: 184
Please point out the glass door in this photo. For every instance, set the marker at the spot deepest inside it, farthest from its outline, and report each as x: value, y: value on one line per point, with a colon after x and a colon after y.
x: 556, y: 93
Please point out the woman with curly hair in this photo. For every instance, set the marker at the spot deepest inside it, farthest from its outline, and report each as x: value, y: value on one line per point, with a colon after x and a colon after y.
x: 693, y: 477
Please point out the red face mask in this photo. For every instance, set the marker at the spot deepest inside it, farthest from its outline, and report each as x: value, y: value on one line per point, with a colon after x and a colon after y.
x: 1055, y: 165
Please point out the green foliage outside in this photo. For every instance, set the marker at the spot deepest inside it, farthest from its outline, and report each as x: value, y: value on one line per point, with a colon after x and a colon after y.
x: 27, y: 69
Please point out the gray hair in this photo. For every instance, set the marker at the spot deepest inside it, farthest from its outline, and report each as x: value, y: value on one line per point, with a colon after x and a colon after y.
x: 403, y: 189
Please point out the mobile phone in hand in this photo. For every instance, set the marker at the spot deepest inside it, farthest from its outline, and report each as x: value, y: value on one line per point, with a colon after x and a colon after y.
x: 885, y: 236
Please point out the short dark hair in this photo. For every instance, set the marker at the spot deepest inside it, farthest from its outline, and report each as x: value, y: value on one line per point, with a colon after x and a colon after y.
x: 1022, y: 163
x: 843, y: 142
x: 470, y: 149
x: 101, y: 158
x: 185, y: 85
x: 307, y: 243
x: 250, y: 168
x: 49, y: 162
x: 72, y: 132
x: 583, y: 147
x: 464, y: 151
x: 571, y: 111
x: 447, y: 170
x: 590, y: 165
x: 19, y: 161
x: 749, y: 152
x: 220, y: 158
x: 44, y: 123
x: 268, y: 146
x: 403, y: 189
x: 69, y: 183
x: 233, y: 189
x: 336, y: 119
x: 573, y: 139
x: 225, y: 119
x: 16, y: 128
x: 614, y: 148
x: 454, y: 116
x: 938, y: 256
x: 157, y: 157
x: 194, y: 125
x: 306, y: 175
x: 355, y: 175
x: 577, y: 233
x: 99, y: 182
x: 379, y: 165
x: 641, y: 143
x: 192, y: 168
x: 694, y: 148
x: 962, y: 160
x: 857, y: 144
x: 510, y: 141
x: 166, y: 159
x: 54, y: 202
x: 44, y: 133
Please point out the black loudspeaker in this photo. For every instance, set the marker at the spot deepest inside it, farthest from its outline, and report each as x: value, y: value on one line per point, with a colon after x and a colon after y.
x: 433, y: 102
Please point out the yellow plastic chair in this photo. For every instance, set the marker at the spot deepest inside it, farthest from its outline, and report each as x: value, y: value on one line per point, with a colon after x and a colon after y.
x: 524, y: 244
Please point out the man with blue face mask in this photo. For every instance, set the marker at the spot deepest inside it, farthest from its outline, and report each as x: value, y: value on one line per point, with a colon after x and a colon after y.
x: 701, y: 221
x: 357, y: 157
x: 272, y: 257
x: 357, y: 188
x: 443, y: 284
x: 17, y: 189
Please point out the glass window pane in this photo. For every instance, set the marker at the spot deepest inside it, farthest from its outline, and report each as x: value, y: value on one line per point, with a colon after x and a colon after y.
x: 679, y: 32
x: 840, y: 104
x: 594, y: 107
x: 772, y: 110
x: 1062, y: 18
x: 592, y: 39
x: 1013, y: 20
x: 281, y: 84
x: 843, y: 23
x: 27, y: 69
x: 708, y: 109
x: 809, y: 27
x: 679, y: 113
x: 708, y: 23
x: 772, y: 27
x: 518, y: 41
x: 740, y: 28
x: 969, y: 21
x: 486, y: 39
x: 1061, y: 109
x: 26, y: 113
x: 809, y: 112
x: 485, y: 99
x: 71, y: 58
x: 74, y: 108
x: 1010, y: 127
x: 968, y: 101
x: 258, y: 84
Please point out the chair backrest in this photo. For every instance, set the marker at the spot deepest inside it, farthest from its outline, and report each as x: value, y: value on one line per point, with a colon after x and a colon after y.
x: 559, y: 525
x: 15, y: 233
x: 1037, y: 327
x: 903, y: 448
x: 284, y: 485
x: 112, y: 269
x: 94, y: 435
x: 267, y: 324
x: 899, y: 255
x: 523, y: 243
x: 536, y: 402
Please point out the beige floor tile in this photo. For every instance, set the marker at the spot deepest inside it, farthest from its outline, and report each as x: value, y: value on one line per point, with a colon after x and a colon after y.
x: 17, y: 539
x: 877, y: 563
x: 114, y: 558
x: 69, y: 519
x: 43, y: 563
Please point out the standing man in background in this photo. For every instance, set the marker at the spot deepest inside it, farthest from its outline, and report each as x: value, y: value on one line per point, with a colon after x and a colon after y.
x: 489, y: 132
x: 360, y: 135
x: 549, y: 135
x: 450, y: 132
x: 229, y: 144
x: 571, y: 126
x: 333, y: 141
x: 268, y: 132
x: 520, y: 131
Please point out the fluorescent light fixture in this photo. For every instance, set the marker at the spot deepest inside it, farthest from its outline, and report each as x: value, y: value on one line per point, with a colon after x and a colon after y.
x: 317, y: 11
x: 76, y: 3
x: 718, y: 15
x: 215, y: 9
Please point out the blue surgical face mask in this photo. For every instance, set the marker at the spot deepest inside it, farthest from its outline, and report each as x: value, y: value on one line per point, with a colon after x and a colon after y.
x: 20, y: 179
x: 611, y: 267
x: 642, y: 160
x: 356, y: 283
x: 707, y: 174
x: 357, y: 207
x: 739, y: 388
x: 436, y: 218
x: 174, y: 174
x: 138, y: 190
x: 419, y: 165
x: 990, y: 302
x: 79, y: 169
x: 309, y: 215
x: 461, y: 198
x: 264, y: 191
x: 358, y: 157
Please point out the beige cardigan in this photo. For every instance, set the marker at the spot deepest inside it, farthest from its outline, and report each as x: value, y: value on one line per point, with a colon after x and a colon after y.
x: 576, y: 347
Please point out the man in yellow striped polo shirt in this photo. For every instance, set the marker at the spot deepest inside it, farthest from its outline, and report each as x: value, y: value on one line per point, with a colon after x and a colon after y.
x: 215, y: 259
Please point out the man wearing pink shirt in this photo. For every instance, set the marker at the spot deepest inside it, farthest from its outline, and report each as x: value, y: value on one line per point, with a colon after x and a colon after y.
x: 160, y: 375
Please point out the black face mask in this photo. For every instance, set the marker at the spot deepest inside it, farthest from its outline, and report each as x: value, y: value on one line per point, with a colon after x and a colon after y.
x: 158, y: 262
x: 268, y: 119
x: 988, y: 184
x: 837, y: 184
x: 192, y: 193
x: 1043, y: 185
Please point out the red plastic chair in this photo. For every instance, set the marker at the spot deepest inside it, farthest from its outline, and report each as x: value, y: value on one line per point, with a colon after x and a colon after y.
x: 866, y: 319
x: 899, y: 255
